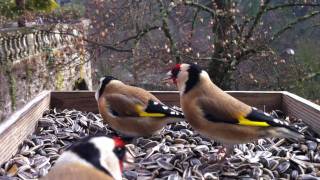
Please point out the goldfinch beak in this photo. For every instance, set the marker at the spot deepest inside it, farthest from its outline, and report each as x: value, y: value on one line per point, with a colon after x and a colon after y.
x: 168, y: 78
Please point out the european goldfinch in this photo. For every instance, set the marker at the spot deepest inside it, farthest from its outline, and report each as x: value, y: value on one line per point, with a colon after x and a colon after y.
x: 132, y: 111
x: 219, y: 116
x: 97, y: 157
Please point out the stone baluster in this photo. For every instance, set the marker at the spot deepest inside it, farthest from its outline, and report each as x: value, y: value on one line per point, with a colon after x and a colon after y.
x: 30, y: 43
x: 10, y: 48
x: 24, y: 45
x: 54, y: 39
x: 20, y: 46
x: 46, y: 39
x: 37, y: 42
x: 5, y: 49
x: 19, y: 49
x: 40, y: 35
x: 14, y: 49
x: 41, y: 41
x: 2, y: 51
x: 66, y: 39
x: 63, y: 38
x: 54, y: 42
x: 59, y: 38
x: 50, y: 40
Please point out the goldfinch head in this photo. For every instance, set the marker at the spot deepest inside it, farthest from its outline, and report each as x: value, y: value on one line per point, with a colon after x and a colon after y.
x: 185, y: 76
x: 100, y: 152
x: 104, y: 81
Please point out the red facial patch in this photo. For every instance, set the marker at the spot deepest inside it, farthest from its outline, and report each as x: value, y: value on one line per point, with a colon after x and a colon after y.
x: 174, y: 73
x: 177, y: 66
x: 118, y: 142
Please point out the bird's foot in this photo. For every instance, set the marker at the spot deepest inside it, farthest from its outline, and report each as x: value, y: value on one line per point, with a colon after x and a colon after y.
x: 223, y: 153
x: 218, y: 158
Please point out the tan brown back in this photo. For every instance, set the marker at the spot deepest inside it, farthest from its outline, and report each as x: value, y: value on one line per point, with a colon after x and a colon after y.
x: 132, y: 91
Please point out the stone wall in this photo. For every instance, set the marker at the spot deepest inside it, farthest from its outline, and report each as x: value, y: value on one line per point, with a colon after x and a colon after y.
x: 40, y: 58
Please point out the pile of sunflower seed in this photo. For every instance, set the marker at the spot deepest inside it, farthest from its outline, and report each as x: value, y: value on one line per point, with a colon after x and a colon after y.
x: 177, y: 152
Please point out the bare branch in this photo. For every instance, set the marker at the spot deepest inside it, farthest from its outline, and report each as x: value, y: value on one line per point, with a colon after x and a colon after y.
x: 110, y: 47
x: 202, y: 58
x: 278, y: 34
x: 311, y: 75
x: 200, y: 6
x: 140, y: 34
x: 166, y: 30
x: 292, y: 5
x: 193, y: 25
x: 315, y: 25
x: 256, y: 20
x: 291, y: 24
x: 272, y: 8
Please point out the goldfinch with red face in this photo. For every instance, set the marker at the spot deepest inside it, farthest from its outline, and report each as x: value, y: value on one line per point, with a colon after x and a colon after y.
x: 133, y: 111
x: 97, y: 158
x: 219, y: 116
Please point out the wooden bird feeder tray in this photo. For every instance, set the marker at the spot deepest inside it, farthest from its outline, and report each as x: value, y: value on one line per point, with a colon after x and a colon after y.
x: 23, y: 122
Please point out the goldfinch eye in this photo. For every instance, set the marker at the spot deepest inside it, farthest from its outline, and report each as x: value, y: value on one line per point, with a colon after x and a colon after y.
x: 120, y: 152
x: 175, y: 71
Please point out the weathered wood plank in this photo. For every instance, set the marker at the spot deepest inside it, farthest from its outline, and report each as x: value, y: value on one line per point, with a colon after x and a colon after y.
x: 20, y: 124
x: 264, y: 100
x: 85, y: 101
x: 170, y: 98
x: 301, y: 108
x: 79, y: 100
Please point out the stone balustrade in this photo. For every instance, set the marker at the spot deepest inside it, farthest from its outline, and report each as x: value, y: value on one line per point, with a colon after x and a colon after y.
x: 33, y: 59
x: 19, y: 43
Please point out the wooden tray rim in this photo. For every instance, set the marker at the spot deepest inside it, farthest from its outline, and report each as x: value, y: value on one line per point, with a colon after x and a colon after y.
x: 22, y: 111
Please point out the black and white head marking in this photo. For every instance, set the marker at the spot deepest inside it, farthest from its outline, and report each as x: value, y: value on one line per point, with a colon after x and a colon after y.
x: 99, y: 152
x: 104, y: 81
x: 193, y: 77
x: 185, y: 76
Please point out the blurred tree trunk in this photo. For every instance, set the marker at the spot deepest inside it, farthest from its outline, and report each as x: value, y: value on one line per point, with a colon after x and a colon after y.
x: 221, y: 70
x: 21, y: 5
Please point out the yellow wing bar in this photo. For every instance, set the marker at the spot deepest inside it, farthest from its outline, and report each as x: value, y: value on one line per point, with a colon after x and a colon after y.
x: 246, y: 122
x: 142, y: 113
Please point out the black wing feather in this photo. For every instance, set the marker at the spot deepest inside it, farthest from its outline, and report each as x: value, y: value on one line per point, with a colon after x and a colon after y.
x: 156, y: 107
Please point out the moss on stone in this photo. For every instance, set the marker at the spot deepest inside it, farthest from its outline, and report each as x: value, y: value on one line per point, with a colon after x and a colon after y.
x: 11, y: 84
x: 28, y: 78
x: 59, y: 80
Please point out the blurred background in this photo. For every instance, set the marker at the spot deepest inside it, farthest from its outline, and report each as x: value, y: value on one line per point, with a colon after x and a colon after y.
x: 243, y: 44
